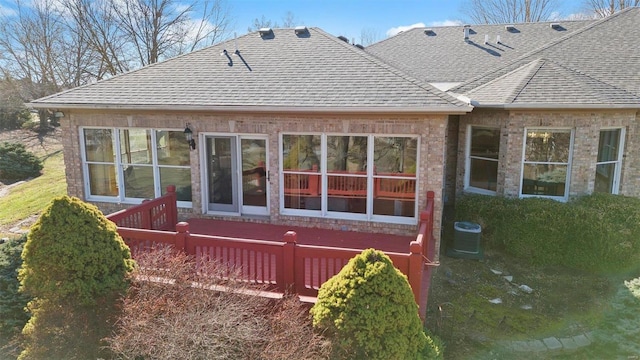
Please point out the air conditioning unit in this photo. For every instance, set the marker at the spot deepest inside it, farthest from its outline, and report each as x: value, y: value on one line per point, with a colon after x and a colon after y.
x: 466, y: 241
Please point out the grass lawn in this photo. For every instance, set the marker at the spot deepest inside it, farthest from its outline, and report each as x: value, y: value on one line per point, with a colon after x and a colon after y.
x: 28, y: 199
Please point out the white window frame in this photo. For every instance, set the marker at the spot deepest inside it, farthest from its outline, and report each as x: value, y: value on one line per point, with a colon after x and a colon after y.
x: 565, y: 197
x: 618, y: 162
x: 119, y: 165
x: 468, y: 157
x: 323, y: 212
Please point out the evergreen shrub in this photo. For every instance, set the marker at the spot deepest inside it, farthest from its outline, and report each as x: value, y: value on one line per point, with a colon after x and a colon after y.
x: 369, y: 312
x: 16, y: 163
x: 76, y: 266
x: 74, y: 253
x: 598, y: 233
x: 13, y: 316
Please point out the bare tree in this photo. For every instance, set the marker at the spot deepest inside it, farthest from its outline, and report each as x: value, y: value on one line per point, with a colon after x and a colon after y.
x: 604, y: 8
x: 288, y: 20
x: 369, y: 35
x: 263, y: 22
x: 158, y: 29
x: 509, y: 11
x: 40, y: 52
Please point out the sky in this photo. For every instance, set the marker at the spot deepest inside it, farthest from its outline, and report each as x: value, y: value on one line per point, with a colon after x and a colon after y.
x: 349, y: 17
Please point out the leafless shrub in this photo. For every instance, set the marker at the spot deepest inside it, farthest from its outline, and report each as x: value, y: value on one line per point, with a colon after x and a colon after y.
x: 174, y: 310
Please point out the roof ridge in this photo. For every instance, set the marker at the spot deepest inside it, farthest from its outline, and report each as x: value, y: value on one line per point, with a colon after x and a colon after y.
x: 539, y: 63
x: 544, y: 47
x: 395, y: 71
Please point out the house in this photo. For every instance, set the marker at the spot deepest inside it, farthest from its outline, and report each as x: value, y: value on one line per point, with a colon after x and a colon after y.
x: 298, y: 127
x: 555, y: 104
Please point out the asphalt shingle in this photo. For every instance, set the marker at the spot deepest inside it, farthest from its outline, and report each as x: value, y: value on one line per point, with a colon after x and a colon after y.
x: 313, y: 70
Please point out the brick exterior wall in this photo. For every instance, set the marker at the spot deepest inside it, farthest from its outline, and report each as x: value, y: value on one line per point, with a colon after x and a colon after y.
x: 586, y: 125
x: 432, y: 131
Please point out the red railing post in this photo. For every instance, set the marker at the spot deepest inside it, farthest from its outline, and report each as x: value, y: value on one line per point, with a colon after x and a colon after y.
x: 172, y: 206
x: 416, y: 266
x: 182, y: 236
x: 289, y: 261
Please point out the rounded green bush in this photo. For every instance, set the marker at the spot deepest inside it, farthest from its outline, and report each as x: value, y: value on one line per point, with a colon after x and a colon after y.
x: 369, y: 312
x: 73, y: 253
x: 16, y: 163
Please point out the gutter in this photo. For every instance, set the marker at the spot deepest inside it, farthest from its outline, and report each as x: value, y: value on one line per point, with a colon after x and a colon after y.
x: 559, y: 106
x: 448, y: 110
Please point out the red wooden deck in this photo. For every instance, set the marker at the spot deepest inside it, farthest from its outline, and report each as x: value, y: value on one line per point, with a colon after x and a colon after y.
x: 306, y: 236
x: 283, y: 257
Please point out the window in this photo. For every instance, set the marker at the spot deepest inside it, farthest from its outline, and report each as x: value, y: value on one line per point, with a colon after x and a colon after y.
x: 483, y: 148
x: 147, y: 161
x: 350, y: 176
x: 547, y: 156
x: 609, y: 161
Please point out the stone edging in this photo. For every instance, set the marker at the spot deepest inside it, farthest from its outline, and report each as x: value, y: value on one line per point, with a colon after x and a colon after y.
x: 553, y: 344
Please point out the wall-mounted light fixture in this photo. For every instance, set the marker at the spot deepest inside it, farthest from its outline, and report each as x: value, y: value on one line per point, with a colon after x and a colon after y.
x: 188, y: 134
x: 58, y: 114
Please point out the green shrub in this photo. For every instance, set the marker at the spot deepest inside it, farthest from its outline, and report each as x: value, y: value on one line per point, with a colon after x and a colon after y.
x: 16, y: 163
x: 76, y: 266
x: 73, y: 253
x: 13, y: 117
x: 369, y: 312
x: 13, y: 317
x: 598, y: 233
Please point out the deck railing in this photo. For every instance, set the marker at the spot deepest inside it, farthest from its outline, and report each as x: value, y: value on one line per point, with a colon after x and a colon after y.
x: 283, y: 266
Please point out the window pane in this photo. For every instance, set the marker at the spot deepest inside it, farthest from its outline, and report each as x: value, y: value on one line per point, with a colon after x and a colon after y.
x: 302, y: 191
x: 138, y: 182
x: 347, y: 194
x: 135, y: 146
x: 254, y: 172
x: 347, y: 154
x: 394, y: 155
x: 180, y: 177
x: 102, y: 180
x: 99, y: 145
x: 394, y: 197
x: 483, y: 174
x: 605, y: 175
x: 608, y: 146
x: 172, y: 148
x: 544, y: 179
x: 301, y: 152
x: 485, y: 142
x: 548, y: 146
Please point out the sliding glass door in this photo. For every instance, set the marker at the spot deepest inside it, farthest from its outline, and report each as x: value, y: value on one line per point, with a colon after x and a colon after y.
x: 237, y: 174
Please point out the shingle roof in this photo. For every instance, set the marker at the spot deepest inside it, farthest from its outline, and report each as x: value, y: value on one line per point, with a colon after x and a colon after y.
x: 537, y: 83
x: 596, y: 66
x: 444, y: 56
x: 310, y: 71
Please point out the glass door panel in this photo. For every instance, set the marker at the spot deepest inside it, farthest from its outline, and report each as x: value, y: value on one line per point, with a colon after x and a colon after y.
x: 222, y: 173
x: 254, y: 175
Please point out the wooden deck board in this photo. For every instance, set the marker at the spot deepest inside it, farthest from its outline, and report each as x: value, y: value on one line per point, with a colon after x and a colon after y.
x: 306, y: 236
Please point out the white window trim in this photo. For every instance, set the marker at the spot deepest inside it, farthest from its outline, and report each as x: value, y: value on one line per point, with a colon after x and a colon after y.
x: 619, y: 158
x: 323, y: 212
x: 467, y: 165
x: 120, y: 198
x: 568, y: 164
